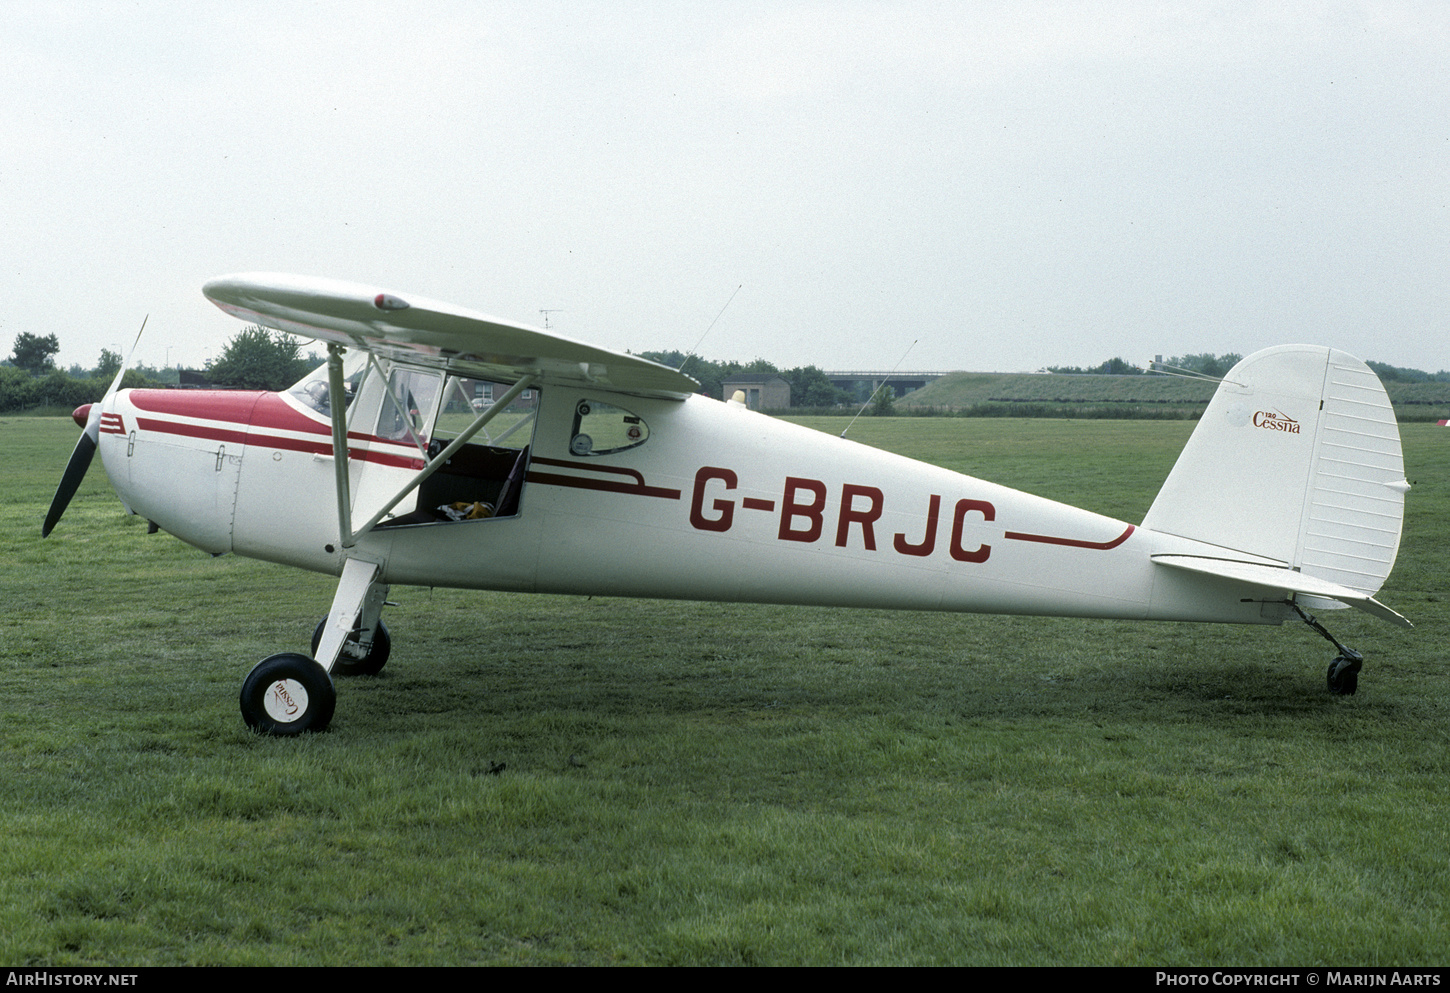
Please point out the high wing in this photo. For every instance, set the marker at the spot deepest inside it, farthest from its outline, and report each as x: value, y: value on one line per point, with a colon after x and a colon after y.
x: 421, y: 332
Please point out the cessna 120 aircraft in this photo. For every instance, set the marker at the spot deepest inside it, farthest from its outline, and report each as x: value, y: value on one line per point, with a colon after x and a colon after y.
x: 442, y: 447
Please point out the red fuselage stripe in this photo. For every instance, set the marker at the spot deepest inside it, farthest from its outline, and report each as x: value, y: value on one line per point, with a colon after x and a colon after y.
x: 231, y: 436
x: 607, y: 485
x: 192, y: 430
x: 634, y: 474
x: 1101, y: 546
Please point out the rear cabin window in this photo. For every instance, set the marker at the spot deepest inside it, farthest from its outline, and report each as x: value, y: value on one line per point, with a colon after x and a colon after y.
x: 603, y: 429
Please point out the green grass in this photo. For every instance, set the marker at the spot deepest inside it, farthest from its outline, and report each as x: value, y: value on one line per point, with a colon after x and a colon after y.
x: 709, y: 784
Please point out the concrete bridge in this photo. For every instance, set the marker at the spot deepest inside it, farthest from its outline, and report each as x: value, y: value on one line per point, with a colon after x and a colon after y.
x: 904, y: 382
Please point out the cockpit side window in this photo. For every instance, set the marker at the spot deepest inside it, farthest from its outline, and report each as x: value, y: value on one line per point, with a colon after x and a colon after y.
x: 408, y: 406
x: 603, y: 429
x: 483, y: 478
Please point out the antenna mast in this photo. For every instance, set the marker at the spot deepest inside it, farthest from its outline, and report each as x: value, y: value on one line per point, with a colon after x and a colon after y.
x: 883, y: 384
x: 691, y: 353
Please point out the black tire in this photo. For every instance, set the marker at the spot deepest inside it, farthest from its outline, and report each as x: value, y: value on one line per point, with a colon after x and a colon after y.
x: 1343, y: 677
x: 349, y: 664
x: 287, y: 694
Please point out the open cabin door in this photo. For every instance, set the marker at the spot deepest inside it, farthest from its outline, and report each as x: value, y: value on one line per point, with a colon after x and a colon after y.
x: 406, y: 417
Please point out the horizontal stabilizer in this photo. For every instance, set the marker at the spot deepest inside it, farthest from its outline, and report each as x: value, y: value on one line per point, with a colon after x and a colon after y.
x: 1282, y: 581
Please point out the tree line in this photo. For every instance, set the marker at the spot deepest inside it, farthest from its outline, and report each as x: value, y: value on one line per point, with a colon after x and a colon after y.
x: 1203, y: 363
x: 260, y: 359
x: 1396, y: 374
x: 1217, y: 366
x: 254, y: 358
x: 809, y: 386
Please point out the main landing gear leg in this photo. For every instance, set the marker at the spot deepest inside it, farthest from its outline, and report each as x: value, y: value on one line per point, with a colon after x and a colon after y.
x: 365, y: 643
x: 1343, y: 675
x: 290, y: 693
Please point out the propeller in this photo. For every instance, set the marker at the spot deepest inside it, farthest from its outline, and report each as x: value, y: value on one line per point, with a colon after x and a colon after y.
x: 89, y: 417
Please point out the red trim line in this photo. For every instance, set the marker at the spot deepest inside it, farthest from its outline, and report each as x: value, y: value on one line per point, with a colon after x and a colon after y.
x: 191, y: 430
x: 634, y: 474
x: 637, y: 488
x: 275, y: 442
x: 609, y: 486
x: 381, y: 458
x: 1101, y: 546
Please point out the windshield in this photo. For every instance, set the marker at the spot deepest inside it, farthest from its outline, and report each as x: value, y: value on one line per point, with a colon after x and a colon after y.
x: 312, y: 388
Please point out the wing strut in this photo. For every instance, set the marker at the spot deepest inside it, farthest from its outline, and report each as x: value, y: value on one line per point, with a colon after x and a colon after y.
x: 438, y: 461
x: 337, y: 406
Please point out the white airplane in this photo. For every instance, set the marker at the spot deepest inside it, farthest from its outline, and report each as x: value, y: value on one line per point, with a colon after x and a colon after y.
x: 443, y: 447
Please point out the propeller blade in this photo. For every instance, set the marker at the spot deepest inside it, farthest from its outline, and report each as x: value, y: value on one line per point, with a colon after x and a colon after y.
x: 116, y: 383
x: 70, y: 481
x: 85, y: 450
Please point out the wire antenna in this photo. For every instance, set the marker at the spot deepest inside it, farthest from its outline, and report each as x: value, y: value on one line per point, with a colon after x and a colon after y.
x: 691, y: 353
x: 1163, y: 369
x: 546, y: 313
x: 883, y: 383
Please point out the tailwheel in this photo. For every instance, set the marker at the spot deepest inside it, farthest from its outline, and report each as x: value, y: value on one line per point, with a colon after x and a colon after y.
x: 287, y: 694
x: 1344, y: 675
x: 355, y: 660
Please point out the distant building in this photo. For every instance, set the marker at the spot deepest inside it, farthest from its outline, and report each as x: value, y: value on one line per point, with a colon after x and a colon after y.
x: 763, y: 390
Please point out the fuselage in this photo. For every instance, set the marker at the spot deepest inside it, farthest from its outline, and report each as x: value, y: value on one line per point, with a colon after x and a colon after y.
x: 692, y: 499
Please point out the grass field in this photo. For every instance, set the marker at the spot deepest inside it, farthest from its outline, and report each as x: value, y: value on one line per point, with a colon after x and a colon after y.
x: 564, y: 780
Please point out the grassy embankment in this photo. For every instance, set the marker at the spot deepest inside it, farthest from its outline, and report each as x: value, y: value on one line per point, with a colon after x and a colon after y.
x: 704, y: 784
x: 1021, y: 395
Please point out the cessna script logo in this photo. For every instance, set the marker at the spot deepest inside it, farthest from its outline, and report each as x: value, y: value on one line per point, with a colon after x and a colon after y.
x: 1270, y: 421
x: 283, y: 699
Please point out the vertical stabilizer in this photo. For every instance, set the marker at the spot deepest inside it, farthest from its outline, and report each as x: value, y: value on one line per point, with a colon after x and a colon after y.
x: 1297, y: 458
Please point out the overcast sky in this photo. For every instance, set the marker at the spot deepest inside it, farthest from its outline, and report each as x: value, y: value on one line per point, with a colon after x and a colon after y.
x: 1012, y: 185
